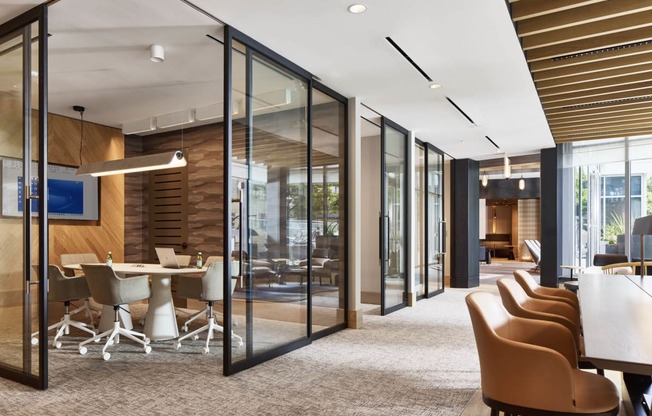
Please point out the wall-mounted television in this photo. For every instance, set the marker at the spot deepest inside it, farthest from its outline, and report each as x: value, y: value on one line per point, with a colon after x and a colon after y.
x: 70, y: 196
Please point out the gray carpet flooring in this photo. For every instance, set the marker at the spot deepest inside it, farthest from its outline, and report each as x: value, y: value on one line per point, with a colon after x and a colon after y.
x: 416, y: 361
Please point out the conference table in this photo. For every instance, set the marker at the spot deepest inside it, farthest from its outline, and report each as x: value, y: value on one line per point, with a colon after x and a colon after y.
x: 160, y: 320
x: 617, y: 324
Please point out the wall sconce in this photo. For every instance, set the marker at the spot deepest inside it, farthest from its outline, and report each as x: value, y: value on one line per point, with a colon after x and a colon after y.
x: 521, y: 183
x: 485, y: 179
x: 507, y: 169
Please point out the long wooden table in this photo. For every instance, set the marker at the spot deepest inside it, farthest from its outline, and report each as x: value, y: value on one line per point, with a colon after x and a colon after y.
x: 617, y: 324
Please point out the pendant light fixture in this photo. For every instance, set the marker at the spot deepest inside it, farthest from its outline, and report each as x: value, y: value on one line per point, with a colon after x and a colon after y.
x: 521, y: 183
x: 485, y: 179
x: 507, y: 169
x: 146, y: 163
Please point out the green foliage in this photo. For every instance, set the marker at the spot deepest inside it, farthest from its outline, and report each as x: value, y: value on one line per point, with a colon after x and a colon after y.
x: 613, y: 228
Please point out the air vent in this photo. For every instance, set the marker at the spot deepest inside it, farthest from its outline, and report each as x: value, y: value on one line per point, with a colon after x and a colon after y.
x: 407, y: 57
x: 603, y: 50
x: 609, y: 102
x: 457, y: 107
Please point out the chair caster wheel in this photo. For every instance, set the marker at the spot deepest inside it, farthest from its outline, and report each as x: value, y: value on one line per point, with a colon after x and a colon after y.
x: 57, y: 344
x: 34, y: 341
x: 148, y: 349
x: 106, y: 356
x: 82, y: 350
x: 97, y: 340
x: 195, y: 337
x: 176, y: 345
x: 146, y: 340
x: 240, y: 344
x: 204, y: 351
x: 184, y: 328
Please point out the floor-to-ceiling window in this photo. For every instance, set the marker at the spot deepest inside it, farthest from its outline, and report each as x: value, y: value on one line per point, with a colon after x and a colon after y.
x: 611, y: 188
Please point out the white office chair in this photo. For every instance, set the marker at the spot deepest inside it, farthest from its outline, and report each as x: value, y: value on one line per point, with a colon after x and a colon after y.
x: 67, y: 289
x: 110, y: 289
x: 208, y: 288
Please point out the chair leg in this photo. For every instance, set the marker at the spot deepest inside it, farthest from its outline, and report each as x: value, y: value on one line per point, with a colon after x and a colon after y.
x: 211, y: 327
x: 184, y: 328
x: 64, y: 325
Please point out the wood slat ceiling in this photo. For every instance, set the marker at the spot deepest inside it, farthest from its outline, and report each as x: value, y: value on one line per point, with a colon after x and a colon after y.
x: 591, y: 62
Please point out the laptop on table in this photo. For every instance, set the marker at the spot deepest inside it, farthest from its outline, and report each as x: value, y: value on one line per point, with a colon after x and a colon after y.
x: 168, y: 258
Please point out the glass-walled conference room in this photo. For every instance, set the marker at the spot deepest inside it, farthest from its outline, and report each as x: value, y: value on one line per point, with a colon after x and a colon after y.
x: 263, y: 192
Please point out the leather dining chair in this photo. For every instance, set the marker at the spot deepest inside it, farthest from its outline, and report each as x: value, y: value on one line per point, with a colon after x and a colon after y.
x: 534, y: 290
x: 108, y: 288
x: 529, y: 367
x: 67, y: 289
x: 210, y: 289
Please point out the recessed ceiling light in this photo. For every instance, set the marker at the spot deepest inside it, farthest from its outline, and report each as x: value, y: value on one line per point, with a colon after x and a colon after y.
x: 434, y: 86
x: 357, y: 8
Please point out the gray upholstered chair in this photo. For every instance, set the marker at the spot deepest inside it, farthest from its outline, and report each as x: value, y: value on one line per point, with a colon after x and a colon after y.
x: 516, y: 352
x: 209, y: 288
x: 109, y: 289
x: 76, y: 258
x: 66, y: 289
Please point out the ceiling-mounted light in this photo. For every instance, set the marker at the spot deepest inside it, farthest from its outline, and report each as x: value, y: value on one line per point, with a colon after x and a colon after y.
x: 485, y: 179
x: 134, y: 164
x: 357, y: 8
x: 435, y: 86
x: 521, y: 183
x: 507, y: 169
x: 157, y: 53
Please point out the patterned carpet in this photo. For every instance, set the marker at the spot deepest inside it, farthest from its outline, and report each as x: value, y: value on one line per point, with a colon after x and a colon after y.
x: 417, y: 361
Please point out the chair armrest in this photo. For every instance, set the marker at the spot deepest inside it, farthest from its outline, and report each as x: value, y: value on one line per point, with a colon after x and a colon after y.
x: 545, y: 334
x: 560, y: 295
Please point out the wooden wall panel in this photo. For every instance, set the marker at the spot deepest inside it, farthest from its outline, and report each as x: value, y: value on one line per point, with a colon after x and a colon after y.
x: 66, y: 236
x: 203, y: 150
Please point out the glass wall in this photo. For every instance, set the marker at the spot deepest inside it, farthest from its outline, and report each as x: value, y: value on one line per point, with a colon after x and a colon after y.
x: 436, y: 224
x: 612, y: 188
x: 288, y: 206
x: 420, y: 254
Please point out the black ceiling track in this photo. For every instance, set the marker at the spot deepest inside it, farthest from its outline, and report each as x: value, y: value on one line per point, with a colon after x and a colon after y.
x: 492, y: 142
x: 457, y: 107
x: 406, y: 56
x: 603, y: 50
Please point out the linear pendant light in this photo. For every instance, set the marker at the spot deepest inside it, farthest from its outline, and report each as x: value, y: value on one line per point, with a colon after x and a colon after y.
x: 134, y: 164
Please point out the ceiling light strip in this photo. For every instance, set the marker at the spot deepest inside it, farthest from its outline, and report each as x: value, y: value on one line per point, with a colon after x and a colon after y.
x: 457, y: 107
x: 410, y: 60
x: 134, y: 164
x: 492, y: 142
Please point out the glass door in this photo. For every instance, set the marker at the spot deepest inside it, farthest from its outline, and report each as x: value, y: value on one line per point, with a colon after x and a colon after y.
x: 393, y: 220
x: 436, y: 232
x: 23, y: 231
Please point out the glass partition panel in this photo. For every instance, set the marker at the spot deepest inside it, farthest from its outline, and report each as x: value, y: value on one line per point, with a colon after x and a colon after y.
x: 420, y: 221
x: 328, y: 211
x: 436, y: 224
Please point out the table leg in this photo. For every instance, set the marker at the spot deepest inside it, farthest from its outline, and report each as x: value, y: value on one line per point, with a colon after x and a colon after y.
x: 161, y: 321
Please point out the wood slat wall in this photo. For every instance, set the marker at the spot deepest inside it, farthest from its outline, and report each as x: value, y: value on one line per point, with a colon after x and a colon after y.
x: 66, y: 236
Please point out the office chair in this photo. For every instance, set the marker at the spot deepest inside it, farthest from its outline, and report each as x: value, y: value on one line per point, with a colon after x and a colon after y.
x: 208, y: 288
x: 66, y: 289
x: 529, y: 366
x: 109, y: 289
x: 79, y: 258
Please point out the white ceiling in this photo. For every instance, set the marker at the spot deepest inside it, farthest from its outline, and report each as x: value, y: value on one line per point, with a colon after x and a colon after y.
x: 99, y: 59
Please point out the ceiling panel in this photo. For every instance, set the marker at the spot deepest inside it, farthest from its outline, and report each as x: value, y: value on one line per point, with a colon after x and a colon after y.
x: 590, y: 62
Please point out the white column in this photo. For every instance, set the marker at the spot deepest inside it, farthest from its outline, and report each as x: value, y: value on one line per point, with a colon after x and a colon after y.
x: 355, y: 213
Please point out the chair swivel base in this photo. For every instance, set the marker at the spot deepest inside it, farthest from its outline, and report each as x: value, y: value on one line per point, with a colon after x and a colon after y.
x: 211, y: 327
x: 114, y: 335
x: 64, y: 325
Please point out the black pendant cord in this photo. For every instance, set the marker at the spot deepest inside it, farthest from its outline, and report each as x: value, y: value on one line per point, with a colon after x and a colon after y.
x: 80, y: 110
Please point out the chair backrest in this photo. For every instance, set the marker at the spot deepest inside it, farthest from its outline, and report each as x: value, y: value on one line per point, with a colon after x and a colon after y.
x: 213, y: 282
x: 321, y: 253
x: 534, y: 249
x: 63, y: 289
x: 108, y: 288
x: 629, y: 267
x: 77, y: 258
x: 606, y: 259
x: 526, y: 281
x: 212, y: 259
x: 517, y: 302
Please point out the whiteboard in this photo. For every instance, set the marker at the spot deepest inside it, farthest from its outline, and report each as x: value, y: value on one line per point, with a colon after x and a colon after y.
x: 69, y: 196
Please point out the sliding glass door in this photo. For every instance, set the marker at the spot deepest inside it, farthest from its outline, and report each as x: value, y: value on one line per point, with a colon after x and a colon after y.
x: 436, y: 225
x: 393, y: 219
x: 23, y: 230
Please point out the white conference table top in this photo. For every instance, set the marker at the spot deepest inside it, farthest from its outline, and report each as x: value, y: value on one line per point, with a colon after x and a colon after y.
x: 144, y: 268
x: 617, y: 321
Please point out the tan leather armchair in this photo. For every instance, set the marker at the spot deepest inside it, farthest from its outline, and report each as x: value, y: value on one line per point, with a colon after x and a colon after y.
x: 534, y: 290
x: 529, y: 366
